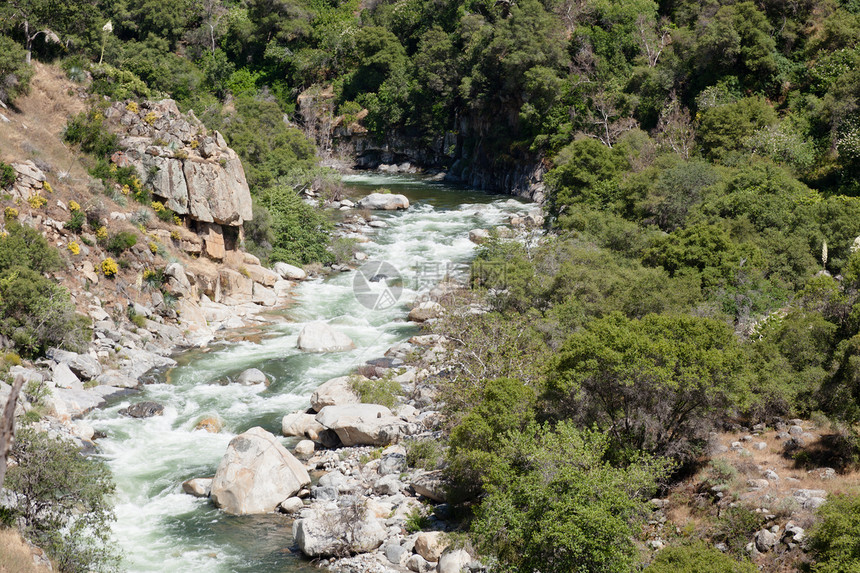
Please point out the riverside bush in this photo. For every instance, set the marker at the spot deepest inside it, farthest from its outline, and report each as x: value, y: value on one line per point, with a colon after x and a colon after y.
x: 64, y: 501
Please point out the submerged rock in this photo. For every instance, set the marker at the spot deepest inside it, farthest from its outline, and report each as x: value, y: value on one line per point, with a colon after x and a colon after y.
x: 256, y: 474
x: 143, y: 410
x: 320, y: 337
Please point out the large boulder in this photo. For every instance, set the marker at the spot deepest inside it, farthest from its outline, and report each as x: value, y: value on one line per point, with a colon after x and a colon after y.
x: 431, y: 544
x: 256, y: 474
x: 432, y: 486
x: 320, y: 337
x: 426, y: 311
x: 84, y: 365
x: 384, y: 202
x: 289, y: 272
x: 362, y: 424
x: 333, y: 531
x: 301, y: 425
x: 336, y: 392
x: 217, y: 189
x: 453, y: 561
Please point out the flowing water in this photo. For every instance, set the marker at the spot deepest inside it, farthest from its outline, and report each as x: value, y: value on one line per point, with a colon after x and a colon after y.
x: 160, y: 528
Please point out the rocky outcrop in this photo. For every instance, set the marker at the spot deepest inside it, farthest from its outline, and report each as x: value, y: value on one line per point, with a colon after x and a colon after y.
x: 191, y: 170
x: 256, y: 474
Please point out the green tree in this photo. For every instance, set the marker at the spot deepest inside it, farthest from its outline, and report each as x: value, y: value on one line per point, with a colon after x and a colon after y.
x: 15, y: 73
x: 64, y: 501
x: 299, y: 232
x: 723, y: 129
x: 554, y: 504
x: 655, y: 384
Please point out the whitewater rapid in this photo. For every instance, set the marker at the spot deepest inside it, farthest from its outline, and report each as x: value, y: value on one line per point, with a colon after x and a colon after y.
x: 158, y: 527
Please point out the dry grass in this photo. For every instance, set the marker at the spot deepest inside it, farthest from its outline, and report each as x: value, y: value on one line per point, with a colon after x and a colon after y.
x: 15, y: 554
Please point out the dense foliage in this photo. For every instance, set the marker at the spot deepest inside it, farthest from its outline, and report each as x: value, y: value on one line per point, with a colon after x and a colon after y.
x: 35, y: 312
x: 64, y: 501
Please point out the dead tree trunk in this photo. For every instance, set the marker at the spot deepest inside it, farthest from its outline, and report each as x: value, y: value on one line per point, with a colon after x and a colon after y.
x: 7, y: 426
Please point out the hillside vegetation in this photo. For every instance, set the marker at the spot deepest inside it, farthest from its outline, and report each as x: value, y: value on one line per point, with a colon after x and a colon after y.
x: 699, y: 276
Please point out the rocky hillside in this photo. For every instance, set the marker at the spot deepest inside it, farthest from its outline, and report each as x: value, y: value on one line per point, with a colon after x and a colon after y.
x: 148, y: 286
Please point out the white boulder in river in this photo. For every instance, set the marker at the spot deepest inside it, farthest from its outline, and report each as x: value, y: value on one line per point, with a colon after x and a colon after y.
x: 320, y: 337
x: 384, y: 202
x: 256, y: 474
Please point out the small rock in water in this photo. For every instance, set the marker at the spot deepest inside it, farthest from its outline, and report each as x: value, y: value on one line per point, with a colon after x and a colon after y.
x: 211, y: 424
x: 143, y: 410
x: 198, y: 487
x: 252, y: 376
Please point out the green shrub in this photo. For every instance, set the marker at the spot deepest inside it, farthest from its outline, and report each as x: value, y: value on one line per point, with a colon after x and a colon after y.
x: 88, y: 130
x: 299, y: 233
x: 736, y: 526
x: 834, y: 542
x: 382, y: 391
x: 121, y: 241
x: 37, y: 313
x: 427, y: 454
x: 15, y: 73
x: 63, y: 500
x: 8, y: 175
x: 698, y: 558
x: 25, y: 247
x: 76, y: 222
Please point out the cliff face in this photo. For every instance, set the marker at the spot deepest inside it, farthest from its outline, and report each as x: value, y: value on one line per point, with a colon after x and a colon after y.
x: 192, y: 170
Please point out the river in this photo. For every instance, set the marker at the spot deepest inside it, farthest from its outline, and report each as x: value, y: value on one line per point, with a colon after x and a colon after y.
x: 160, y: 528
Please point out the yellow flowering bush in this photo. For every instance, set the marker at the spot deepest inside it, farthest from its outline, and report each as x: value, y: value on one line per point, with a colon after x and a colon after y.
x: 150, y: 117
x: 132, y: 107
x: 126, y: 189
x: 74, y: 248
x: 10, y: 213
x: 177, y: 220
x: 101, y: 233
x: 135, y: 182
x: 109, y: 267
x: 158, y: 206
x: 47, y: 187
x: 74, y: 206
x: 175, y: 235
x: 35, y: 200
x: 153, y: 248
